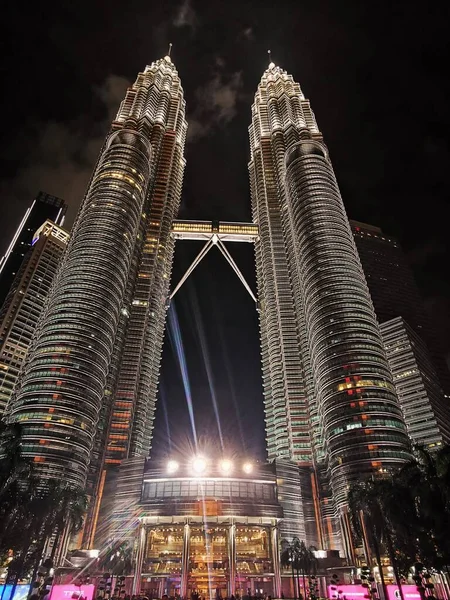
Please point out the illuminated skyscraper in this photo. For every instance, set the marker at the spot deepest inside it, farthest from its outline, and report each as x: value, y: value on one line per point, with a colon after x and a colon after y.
x: 329, y: 397
x: 99, y: 342
x: 24, y: 303
x: 421, y: 397
x: 394, y: 291
x: 44, y: 206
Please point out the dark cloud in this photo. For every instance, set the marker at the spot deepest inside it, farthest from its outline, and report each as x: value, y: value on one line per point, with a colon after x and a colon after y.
x: 216, y: 102
x: 248, y: 33
x: 60, y: 155
x: 185, y: 16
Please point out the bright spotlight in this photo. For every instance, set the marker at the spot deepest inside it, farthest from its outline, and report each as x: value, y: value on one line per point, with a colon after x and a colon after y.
x: 199, y: 465
x: 247, y: 467
x: 226, y: 466
x: 172, y: 466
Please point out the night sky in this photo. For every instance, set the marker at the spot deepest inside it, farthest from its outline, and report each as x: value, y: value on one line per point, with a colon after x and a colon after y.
x: 377, y: 78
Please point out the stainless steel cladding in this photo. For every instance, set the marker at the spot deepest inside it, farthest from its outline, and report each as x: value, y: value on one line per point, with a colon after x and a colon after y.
x: 60, y: 390
x: 361, y: 418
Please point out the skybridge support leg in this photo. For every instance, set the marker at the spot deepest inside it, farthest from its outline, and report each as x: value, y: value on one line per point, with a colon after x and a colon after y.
x: 235, y: 268
x: 214, y: 241
x: 200, y: 256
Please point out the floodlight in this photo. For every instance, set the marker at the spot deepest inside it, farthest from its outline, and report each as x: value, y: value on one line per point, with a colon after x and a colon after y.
x: 247, y: 467
x: 199, y: 465
x: 226, y: 466
x: 172, y: 466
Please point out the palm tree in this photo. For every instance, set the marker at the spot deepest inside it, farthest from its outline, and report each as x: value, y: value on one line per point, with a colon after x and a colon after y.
x: 69, y: 509
x: 368, y: 521
x: 301, y: 558
x: 287, y: 560
x: 13, y: 466
x: 305, y: 561
x: 119, y: 559
x: 427, y: 479
x: 40, y: 512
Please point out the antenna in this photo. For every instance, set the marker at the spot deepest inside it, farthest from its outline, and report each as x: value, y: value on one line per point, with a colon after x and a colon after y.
x: 269, y: 52
x: 170, y: 49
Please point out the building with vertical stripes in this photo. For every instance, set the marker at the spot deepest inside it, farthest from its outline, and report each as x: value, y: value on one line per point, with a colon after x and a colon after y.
x: 394, y: 291
x: 421, y: 396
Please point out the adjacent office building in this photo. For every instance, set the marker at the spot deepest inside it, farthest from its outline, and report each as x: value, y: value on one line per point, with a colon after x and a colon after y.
x: 421, y: 397
x: 44, y: 206
x: 25, y: 301
x: 394, y: 291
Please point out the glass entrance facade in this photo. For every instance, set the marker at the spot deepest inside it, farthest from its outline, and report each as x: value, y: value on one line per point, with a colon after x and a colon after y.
x: 213, y: 569
x: 213, y: 534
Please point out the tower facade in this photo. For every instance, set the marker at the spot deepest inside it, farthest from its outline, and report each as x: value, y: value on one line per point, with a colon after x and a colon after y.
x: 25, y: 302
x: 333, y: 396
x: 44, y: 206
x: 92, y: 369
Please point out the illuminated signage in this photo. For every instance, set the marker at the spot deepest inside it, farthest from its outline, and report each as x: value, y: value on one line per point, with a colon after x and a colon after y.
x: 348, y: 592
x: 72, y: 592
x: 358, y: 592
x: 410, y: 592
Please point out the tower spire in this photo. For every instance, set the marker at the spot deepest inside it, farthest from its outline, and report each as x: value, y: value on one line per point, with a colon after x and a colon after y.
x: 271, y: 63
x: 170, y: 49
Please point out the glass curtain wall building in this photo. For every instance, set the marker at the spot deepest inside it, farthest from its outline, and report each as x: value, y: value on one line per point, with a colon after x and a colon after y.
x: 421, y: 397
x: 394, y: 290
x: 100, y: 338
x: 333, y: 397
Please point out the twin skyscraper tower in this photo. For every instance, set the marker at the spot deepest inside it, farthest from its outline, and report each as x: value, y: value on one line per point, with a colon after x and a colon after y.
x: 86, y: 395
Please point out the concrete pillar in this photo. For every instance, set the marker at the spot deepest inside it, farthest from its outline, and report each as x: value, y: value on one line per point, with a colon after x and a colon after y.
x: 139, y: 560
x: 275, y: 546
x: 185, y: 561
x: 231, y: 560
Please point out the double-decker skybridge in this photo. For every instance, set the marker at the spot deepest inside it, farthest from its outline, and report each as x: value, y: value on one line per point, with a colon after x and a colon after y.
x: 215, y: 233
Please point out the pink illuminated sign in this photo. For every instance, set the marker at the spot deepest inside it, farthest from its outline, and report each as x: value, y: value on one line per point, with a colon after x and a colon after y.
x: 72, y: 592
x: 409, y: 592
x: 348, y: 592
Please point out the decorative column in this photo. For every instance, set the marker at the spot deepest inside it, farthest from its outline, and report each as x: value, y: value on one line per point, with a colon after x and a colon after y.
x: 347, y: 537
x: 276, y: 561
x: 231, y: 560
x: 139, y: 560
x: 365, y: 537
x: 185, y: 561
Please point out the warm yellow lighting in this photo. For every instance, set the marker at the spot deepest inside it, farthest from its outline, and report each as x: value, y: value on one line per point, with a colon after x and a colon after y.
x: 199, y: 465
x: 226, y: 466
x: 247, y: 467
x: 172, y: 466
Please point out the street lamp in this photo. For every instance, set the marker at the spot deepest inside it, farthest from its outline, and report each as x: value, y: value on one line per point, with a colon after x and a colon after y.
x: 226, y: 466
x: 199, y: 465
x: 172, y: 466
